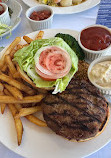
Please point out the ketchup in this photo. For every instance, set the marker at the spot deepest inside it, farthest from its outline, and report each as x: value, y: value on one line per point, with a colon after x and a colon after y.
x: 2, y: 9
x: 95, y: 38
x: 40, y: 15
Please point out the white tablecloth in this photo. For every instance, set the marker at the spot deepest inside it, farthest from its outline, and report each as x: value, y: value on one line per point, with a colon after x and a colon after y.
x: 75, y: 22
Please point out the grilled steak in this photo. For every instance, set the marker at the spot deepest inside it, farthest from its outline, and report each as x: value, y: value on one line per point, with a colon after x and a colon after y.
x: 78, y: 113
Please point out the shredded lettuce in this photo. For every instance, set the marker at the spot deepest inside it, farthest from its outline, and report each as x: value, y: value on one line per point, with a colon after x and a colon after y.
x: 4, y: 28
x: 25, y: 59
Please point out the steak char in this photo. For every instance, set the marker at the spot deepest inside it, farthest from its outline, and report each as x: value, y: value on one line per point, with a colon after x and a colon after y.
x: 78, y: 113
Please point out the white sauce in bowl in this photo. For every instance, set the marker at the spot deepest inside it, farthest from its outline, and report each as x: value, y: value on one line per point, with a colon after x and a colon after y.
x: 101, y: 74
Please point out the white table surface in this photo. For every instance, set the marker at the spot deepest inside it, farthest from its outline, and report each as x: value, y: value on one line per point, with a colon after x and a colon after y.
x: 76, y: 22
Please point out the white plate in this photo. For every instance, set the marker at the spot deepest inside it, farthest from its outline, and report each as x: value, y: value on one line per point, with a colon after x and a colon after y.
x: 41, y: 142
x: 67, y: 10
x: 15, y: 17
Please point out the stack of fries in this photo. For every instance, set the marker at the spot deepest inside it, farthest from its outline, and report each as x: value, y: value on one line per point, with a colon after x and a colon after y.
x: 14, y: 89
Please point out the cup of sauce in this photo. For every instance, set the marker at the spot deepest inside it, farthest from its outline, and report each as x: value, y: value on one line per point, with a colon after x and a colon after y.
x: 99, y: 73
x: 4, y: 14
x: 95, y: 41
x: 40, y: 17
x: 2, y: 9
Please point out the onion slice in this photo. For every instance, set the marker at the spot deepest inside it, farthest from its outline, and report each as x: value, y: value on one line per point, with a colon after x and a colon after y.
x: 52, y: 62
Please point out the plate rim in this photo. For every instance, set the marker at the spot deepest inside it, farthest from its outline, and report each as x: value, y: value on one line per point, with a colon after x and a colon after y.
x: 72, y: 31
x: 93, y: 4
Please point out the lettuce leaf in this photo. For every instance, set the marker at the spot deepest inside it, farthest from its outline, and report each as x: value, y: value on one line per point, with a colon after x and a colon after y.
x: 25, y: 59
x: 4, y: 28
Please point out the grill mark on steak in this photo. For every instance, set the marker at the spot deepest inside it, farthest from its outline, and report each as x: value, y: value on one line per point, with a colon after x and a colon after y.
x: 80, y: 103
x: 90, y: 92
x: 65, y: 113
x: 89, y: 102
x: 79, y: 109
x: 81, y: 126
x: 76, y: 102
x: 57, y: 103
x: 79, y: 96
x: 87, y: 85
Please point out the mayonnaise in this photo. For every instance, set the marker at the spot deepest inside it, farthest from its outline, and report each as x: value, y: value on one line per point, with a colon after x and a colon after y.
x: 101, y: 74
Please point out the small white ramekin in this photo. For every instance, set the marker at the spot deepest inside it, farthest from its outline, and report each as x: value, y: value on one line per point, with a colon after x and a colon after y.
x: 98, y: 60
x: 5, y: 18
x: 43, y: 24
x: 91, y: 54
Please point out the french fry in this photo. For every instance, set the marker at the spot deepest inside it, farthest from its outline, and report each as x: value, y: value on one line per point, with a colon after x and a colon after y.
x: 1, y: 72
x: 13, y: 109
x: 4, y: 68
x: 19, y: 46
x: 39, y: 35
x: 3, y: 106
x: 1, y: 87
x: 7, y: 92
x: 16, y: 75
x: 10, y: 64
x: 12, y: 53
x: 25, y: 45
x: 19, y: 129
x: 14, y: 91
x: 28, y: 111
x: 36, y: 121
x: 27, y: 39
x: 9, y: 74
x: 18, y: 123
x: 28, y: 80
x: 1, y: 93
x: 30, y: 99
x: 9, y: 49
x: 24, y: 76
x: 17, y: 84
x: 18, y: 106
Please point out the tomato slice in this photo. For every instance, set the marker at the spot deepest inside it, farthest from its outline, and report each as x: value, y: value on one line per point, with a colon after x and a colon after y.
x: 53, y: 63
x: 47, y: 79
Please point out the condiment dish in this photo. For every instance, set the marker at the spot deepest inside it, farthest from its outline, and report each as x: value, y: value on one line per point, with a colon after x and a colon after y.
x: 15, y: 16
x: 43, y: 24
x: 93, y: 54
x: 4, y: 17
x: 104, y: 90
